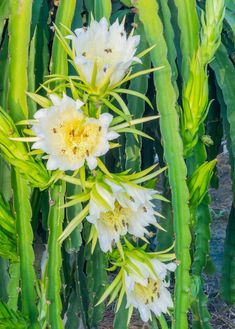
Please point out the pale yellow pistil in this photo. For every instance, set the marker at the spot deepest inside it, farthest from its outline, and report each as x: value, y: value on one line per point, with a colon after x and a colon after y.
x: 79, y: 140
x: 149, y: 293
x: 118, y: 218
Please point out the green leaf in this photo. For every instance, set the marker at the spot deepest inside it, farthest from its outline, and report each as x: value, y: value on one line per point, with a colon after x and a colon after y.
x: 4, y: 9
x: 42, y: 101
x: 74, y: 223
x: 7, y: 221
x: 10, y: 319
x: 127, y: 3
x: 120, y: 102
x: 8, y: 249
x: 111, y: 287
x: 115, y: 109
x: 134, y: 93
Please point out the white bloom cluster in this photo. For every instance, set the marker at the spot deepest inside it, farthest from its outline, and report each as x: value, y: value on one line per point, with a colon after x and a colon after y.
x: 129, y: 209
x: 69, y: 137
x: 107, y: 47
x: 146, y: 289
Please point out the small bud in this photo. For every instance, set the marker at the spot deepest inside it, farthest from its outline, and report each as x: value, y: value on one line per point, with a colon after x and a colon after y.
x: 198, y: 183
x: 207, y: 140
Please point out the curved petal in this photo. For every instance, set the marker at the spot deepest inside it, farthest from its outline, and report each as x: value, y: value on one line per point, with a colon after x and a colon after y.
x: 52, y: 163
x: 92, y: 162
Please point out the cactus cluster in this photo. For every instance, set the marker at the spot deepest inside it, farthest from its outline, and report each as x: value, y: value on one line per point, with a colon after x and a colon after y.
x: 94, y: 95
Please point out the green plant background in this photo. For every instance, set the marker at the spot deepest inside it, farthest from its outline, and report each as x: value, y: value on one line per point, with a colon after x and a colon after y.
x: 76, y: 279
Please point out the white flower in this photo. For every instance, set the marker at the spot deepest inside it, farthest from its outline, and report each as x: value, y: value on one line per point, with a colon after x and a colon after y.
x: 107, y: 47
x: 129, y: 209
x: 69, y: 137
x: 147, y: 290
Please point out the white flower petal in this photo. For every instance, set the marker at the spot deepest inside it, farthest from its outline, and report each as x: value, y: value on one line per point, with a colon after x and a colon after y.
x: 66, y: 133
x: 106, y: 195
x: 94, y: 209
x: 129, y: 281
x: 79, y: 104
x: 152, y: 296
x: 52, y: 163
x: 106, y: 236
x: 92, y: 162
x: 171, y: 267
x: 105, y: 119
x: 115, y: 187
x: 108, y: 46
x: 91, y: 219
x: 40, y: 114
x: 145, y: 313
x: 111, y: 135
x: 55, y: 99
x: 38, y: 145
x: 104, y: 23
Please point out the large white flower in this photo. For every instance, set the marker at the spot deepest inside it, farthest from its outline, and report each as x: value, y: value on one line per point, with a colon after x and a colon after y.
x: 126, y: 208
x: 69, y: 137
x: 146, y: 289
x: 107, y: 47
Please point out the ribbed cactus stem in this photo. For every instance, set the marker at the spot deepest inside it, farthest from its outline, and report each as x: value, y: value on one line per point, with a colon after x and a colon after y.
x: 53, y: 285
x: 173, y: 151
x: 19, y: 24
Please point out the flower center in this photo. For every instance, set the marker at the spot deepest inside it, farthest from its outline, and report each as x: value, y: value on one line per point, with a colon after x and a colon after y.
x: 118, y: 218
x: 149, y: 293
x: 78, y: 140
x: 104, y: 57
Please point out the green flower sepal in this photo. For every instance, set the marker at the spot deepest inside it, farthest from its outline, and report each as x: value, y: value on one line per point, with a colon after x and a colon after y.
x: 15, y: 152
x: 142, y: 278
x: 199, y: 182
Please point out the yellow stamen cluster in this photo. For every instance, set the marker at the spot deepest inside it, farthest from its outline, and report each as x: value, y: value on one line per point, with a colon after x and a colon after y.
x: 149, y: 293
x: 118, y: 218
x: 78, y: 140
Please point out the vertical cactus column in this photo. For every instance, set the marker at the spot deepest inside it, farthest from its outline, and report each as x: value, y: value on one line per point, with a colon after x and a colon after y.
x: 19, y: 24
x: 225, y: 76
x: 55, y: 220
x: 169, y: 122
x: 64, y: 16
x: 103, y: 8
x: 137, y: 105
x: 189, y: 32
x: 59, y: 65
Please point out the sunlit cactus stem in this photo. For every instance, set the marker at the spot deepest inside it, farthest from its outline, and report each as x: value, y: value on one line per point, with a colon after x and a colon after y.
x: 173, y: 151
x: 53, y: 282
x: 19, y: 23
x: 189, y: 36
x: 64, y: 17
x: 59, y: 65
x: 102, y: 8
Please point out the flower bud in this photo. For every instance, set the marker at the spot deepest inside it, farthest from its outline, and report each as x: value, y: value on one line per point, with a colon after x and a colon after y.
x: 198, y: 183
